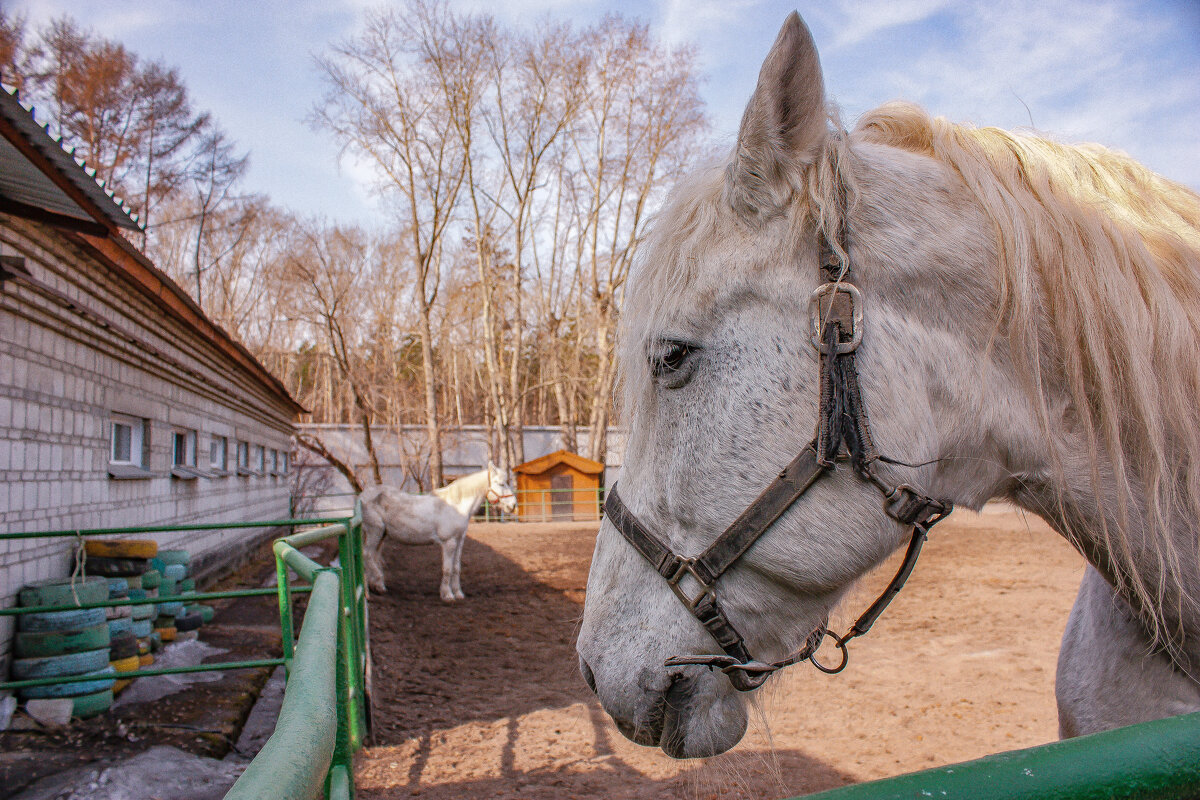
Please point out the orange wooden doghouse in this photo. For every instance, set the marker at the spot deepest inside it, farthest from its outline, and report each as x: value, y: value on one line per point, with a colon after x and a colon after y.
x: 559, y: 486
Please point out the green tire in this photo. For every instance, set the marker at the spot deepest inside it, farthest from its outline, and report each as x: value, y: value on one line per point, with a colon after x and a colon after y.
x: 56, y: 666
x: 176, y: 572
x: 171, y: 609
x: 143, y: 628
x: 169, y: 587
x: 151, y: 579
x: 157, y: 564
x: 60, y: 592
x: 144, y: 611
x: 74, y: 620
x: 118, y: 588
x: 181, y: 557
x: 120, y: 625
x: 206, y: 612
x: 100, y: 680
x: 89, y: 705
x: 35, y: 644
x: 187, y: 585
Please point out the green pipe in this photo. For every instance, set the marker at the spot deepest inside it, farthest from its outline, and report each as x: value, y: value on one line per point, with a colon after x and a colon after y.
x: 340, y: 787
x: 199, y: 526
x: 296, y: 759
x: 1157, y: 760
x: 301, y: 564
x: 125, y: 601
x: 306, y: 538
x: 146, y: 673
x: 286, y: 634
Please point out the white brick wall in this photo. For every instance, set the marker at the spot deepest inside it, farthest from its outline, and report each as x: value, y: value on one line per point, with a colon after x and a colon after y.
x: 62, y: 376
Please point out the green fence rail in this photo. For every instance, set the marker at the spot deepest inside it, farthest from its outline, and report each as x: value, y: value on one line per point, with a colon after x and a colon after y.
x: 1157, y: 760
x: 310, y: 754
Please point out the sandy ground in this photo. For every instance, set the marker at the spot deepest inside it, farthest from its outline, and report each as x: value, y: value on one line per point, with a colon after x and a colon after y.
x: 483, y: 698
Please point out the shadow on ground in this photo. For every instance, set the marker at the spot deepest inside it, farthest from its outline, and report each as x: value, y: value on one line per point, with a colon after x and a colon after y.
x: 483, y: 698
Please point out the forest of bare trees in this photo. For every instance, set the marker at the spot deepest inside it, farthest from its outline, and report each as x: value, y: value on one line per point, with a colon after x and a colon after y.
x: 517, y: 168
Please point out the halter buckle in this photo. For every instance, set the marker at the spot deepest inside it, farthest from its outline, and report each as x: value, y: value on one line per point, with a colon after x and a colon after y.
x: 832, y: 311
x: 687, y: 566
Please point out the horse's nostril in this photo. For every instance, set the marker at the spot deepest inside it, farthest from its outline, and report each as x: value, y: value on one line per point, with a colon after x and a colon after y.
x: 586, y: 671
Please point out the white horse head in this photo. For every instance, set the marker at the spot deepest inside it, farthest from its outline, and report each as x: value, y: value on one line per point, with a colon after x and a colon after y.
x: 500, y: 492
x: 966, y: 367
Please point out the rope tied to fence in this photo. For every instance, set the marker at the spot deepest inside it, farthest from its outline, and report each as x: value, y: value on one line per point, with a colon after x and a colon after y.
x: 79, y: 571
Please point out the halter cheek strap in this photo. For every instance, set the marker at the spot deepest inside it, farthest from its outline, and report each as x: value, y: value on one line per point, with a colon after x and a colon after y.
x: 843, y: 433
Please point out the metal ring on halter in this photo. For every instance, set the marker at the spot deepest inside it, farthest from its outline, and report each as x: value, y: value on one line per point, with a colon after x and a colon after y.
x: 856, y: 316
x: 840, y: 641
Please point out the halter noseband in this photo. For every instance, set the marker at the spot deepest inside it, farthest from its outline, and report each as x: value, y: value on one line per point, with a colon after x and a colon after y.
x: 836, y: 308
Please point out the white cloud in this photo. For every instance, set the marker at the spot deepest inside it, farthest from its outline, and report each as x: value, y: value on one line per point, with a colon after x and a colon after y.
x: 856, y: 21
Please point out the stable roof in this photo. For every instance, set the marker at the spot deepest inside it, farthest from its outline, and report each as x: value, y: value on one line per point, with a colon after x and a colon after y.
x: 551, y: 460
x: 42, y: 180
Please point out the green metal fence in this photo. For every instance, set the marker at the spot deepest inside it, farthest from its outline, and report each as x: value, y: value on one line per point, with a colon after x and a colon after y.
x: 1157, y: 760
x: 311, y: 751
x: 533, y: 505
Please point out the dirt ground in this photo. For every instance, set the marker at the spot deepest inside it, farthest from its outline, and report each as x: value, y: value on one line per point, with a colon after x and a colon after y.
x: 483, y: 698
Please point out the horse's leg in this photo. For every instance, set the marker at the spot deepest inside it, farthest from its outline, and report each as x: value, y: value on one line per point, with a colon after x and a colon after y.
x: 1109, y: 674
x: 456, y: 577
x: 447, y: 587
x: 373, y: 531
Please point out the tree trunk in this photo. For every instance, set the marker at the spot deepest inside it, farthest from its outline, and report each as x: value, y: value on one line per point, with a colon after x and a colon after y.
x: 432, y: 426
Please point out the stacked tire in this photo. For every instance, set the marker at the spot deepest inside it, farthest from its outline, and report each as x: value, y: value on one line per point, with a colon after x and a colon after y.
x: 175, y: 619
x: 124, y: 563
x: 73, y: 643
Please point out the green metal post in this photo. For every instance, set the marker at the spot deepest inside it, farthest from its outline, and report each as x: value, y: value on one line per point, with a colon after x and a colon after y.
x: 346, y: 740
x: 352, y: 643
x: 284, y: 589
x: 295, y: 761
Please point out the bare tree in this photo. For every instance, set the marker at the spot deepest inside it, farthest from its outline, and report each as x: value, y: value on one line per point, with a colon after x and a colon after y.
x: 384, y: 106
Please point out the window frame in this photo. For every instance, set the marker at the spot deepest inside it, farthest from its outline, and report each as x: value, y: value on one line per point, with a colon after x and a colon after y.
x: 185, y: 467
x: 218, y: 468
x: 134, y: 467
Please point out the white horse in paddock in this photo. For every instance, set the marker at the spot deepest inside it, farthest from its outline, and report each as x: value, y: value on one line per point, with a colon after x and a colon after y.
x: 1030, y: 330
x: 439, y: 518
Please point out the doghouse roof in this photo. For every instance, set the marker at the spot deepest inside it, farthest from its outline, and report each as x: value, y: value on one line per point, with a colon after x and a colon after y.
x: 540, y: 465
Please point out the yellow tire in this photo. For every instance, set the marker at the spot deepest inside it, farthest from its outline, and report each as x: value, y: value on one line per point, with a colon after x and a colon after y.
x: 167, y: 634
x: 119, y: 686
x: 146, y: 660
x: 121, y: 548
x: 129, y: 664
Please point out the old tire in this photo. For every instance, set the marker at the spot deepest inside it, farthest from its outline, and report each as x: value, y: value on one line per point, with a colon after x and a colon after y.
x: 143, y: 627
x: 176, y: 572
x: 151, y: 578
x: 118, y: 588
x: 143, y: 611
x: 188, y: 622
x: 127, y: 664
x: 74, y: 620
x: 116, y: 567
x: 98, y: 681
x: 65, y: 592
x: 187, y: 585
x: 89, y: 705
x: 171, y: 609
x: 123, y: 646
x: 55, y: 666
x: 38, y: 644
x: 145, y: 660
x: 120, y: 548
x: 182, y: 557
x: 119, y: 626
x: 166, y: 634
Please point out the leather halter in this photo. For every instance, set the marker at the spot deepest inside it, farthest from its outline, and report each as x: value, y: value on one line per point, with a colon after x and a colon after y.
x: 843, y: 433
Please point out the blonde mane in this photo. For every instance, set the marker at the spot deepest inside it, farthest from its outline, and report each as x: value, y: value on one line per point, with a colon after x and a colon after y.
x: 1104, y: 256
x: 1099, y: 268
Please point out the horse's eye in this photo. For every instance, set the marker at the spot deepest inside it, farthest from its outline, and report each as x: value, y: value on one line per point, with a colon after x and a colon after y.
x: 671, y: 358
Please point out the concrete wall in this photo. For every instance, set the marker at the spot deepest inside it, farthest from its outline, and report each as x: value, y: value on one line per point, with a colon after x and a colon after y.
x: 84, y: 346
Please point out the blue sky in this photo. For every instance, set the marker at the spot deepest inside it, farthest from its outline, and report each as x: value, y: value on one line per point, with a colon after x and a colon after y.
x: 1125, y: 74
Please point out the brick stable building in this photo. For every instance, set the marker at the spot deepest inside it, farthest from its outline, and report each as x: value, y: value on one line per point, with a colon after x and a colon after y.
x: 121, y: 403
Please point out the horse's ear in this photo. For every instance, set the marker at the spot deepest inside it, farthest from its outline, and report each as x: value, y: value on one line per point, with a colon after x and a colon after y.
x: 783, y: 126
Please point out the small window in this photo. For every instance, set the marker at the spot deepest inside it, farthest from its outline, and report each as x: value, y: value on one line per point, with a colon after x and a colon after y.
x: 260, y: 459
x: 218, y: 454
x: 274, y: 461
x: 243, y: 458
x: 184, y: 449
x: 283, y: 463
x: 127, y: 447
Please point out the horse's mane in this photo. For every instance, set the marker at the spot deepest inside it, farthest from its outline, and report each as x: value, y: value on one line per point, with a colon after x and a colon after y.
x: 459, y: 488
x: 1104, y: 256
x: 1096, y: 254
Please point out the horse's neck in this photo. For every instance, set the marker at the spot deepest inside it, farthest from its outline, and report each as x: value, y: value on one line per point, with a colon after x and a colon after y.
x: 466, y: 494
